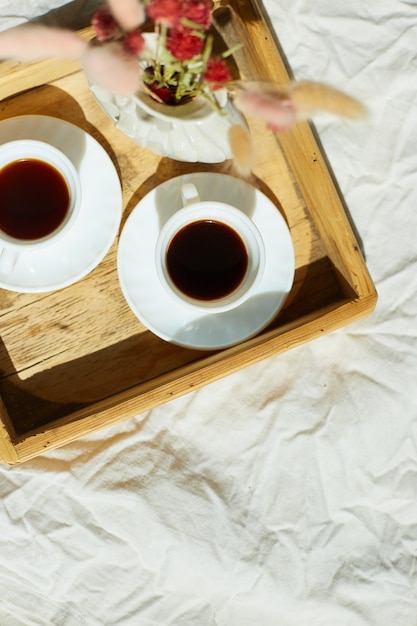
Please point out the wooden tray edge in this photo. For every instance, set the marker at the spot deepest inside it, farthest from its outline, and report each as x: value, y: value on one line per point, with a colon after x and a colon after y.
x: 135, y: 401
x: 305, y: 156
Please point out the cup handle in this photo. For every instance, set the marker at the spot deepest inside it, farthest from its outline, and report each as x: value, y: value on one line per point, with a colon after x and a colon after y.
x: 189, y: 194
x: 8, y: 260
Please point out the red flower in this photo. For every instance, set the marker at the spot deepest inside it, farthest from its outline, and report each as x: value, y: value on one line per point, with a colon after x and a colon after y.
x: 217, y: 73
x: 163, y: 93
x: 166, y: 12
x: 197, y: 11
x: 183, y: 45
x: 104, y: 24
x: 134, y: 42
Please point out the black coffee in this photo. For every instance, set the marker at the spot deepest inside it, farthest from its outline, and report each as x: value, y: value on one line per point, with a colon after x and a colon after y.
x: 207, y: 260
x: 34, y: 199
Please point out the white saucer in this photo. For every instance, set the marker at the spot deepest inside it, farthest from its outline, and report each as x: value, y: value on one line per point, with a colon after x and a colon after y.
x: 79, y: 252
x: 174, y: 322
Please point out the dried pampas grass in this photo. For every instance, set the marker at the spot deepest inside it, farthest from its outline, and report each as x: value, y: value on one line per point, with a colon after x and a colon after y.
x: 112, y: 68
x: 281, y: 108
x: 33, y: 42
x: 129, y: 14
x: 273, y: 106
x: 310, y: 97
x: 242, y: 149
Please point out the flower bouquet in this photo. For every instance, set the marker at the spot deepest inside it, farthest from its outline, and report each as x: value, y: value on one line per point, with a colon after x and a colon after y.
x: 179, y: 67
x: 181, y: 107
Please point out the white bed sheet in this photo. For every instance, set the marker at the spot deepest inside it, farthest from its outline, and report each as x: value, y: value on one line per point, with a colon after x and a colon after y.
x: 285, y: 494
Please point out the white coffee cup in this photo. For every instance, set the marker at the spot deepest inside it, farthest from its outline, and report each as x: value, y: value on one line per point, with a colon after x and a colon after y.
x: 228, y: 235
x: 56, y: 168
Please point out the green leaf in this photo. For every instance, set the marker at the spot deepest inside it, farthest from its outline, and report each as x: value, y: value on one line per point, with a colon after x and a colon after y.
x: 189, y: 24
x: 231, y: 51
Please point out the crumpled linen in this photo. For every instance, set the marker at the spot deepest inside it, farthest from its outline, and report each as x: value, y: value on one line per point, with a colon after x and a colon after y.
x: 284, y: 494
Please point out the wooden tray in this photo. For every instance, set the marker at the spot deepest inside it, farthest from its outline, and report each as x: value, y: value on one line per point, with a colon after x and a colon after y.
x: 77, y: 359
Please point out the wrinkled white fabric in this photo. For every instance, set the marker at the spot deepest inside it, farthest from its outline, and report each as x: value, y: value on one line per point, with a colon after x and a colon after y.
x: 284, y: 494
